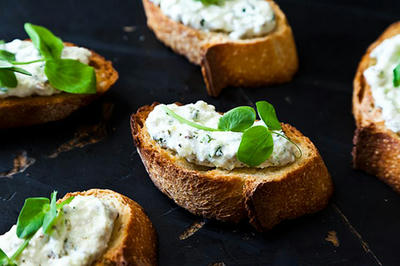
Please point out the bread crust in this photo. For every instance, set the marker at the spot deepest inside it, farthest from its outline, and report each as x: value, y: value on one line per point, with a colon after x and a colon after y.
x: 27, y: 111
x: 266, y: 60
x: 376, y: 148
x: 134, y: 239
x: 241, y: 194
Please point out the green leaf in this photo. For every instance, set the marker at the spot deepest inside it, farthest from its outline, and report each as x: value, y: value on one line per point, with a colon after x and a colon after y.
x: 49, y: 46
x: 3, y: 255
x: 256, y: 146
x: 396, y: 76
x: 185, y: 121
x: 7, y: 75
x: 7, y: 56
x: 7, y: 78
x: 65, y: 202
x: 2, y: 42
x: 267, y: 113
x: 4, y: 259
x: 51, y: 215
x: 35, y: 213
x: 71, y: 76
x: 20, y: 70
x: 31, y: 217
x: 238, y: 119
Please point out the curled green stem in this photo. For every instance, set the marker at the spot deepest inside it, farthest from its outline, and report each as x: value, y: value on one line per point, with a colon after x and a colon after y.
x: 291, y: 141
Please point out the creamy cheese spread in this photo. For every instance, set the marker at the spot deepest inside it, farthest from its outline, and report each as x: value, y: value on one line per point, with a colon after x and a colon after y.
x: 79, y: 238
x: 241, y: 19
x: 380, y: 78
x: 37, y: 84
x: 214, y: 149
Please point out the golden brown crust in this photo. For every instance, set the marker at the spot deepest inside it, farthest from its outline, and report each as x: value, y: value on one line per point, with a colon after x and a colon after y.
x: 253, y: 62
x: 134, y: 240
x: 264, y: 197
x: 17, y: 112
x: 376, y: 149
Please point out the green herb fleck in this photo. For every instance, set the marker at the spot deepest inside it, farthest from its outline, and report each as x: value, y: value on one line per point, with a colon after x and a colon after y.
x: 207, y: 138
x: 195, y: 114
x: 218, y: 151
x: 396, y: 76
x: 210, y: 2
x: 160, y: 140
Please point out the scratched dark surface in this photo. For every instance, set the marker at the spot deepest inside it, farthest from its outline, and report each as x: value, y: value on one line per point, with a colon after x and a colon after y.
x: 93, y: 148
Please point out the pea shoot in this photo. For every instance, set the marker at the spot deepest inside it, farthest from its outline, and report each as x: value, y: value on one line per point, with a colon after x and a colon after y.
x: 257, y: 144
x: 66, y: 75
x: 35, y: 214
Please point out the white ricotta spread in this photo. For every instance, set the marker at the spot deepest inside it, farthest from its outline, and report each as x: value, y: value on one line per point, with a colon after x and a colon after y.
x: 241, y: 19
x: 79, y: 238
x: 214, y: 149
x: 37, y: 84
x: 380, y: 78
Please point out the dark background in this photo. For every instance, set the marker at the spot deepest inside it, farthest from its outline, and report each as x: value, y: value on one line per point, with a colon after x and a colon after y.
x: 331, y: 37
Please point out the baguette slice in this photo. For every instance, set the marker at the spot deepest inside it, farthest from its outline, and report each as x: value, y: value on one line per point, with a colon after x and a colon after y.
x: 264, y: 197
x: 376, y: 148
x: 133, y: 240
x: 27, y: 111
x: 270, y: 59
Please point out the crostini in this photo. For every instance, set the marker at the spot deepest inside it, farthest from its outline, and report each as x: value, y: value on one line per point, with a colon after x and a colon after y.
x: 230, y: 166
x: 376, y: 109
x: 236, y: 43
x: 95, y: 227
x: 43, y: 79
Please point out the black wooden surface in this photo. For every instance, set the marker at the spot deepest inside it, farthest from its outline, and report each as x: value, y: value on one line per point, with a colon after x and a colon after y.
x: 331, y: 37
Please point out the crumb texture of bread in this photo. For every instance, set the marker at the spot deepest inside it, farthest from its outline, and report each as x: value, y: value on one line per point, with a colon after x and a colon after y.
x: 266, y: 60
x: 264, y: 197
x: 27, y: 111
x: 133, y: 240
x: 376, y: 148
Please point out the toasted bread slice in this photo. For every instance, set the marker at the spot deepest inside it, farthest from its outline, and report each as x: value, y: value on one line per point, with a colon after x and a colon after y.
x: 376, y: 148
x: 17, y: 112
x: 265, y: 197
x: 224, y: 62
x: 133, y: 240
